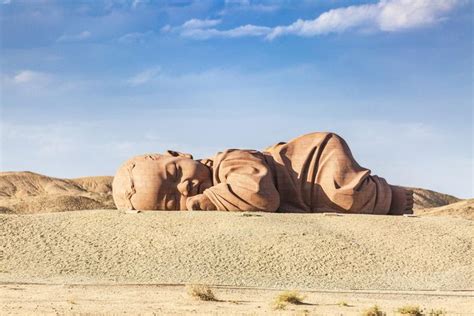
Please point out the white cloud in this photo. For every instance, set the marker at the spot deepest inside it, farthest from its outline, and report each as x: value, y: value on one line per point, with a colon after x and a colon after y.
x: 384, y: 16
x: 144, y: 76
x: 193, y: 26
x: 203, y: 29
x: 29, y: 76
x: 200, y: 24
x: 241, y: 31
x: 403, y: 14
x: 32, y: 84
x: 74, y: 37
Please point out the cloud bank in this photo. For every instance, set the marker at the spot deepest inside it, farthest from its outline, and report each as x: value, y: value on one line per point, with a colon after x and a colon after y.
x: 384, y: 16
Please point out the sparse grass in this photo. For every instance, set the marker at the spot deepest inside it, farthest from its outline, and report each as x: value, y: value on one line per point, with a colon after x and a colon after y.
x: 373, y: 311
x: 287, y: 297
x: 410, y: 310
x: 72, y: 301
x: 437, y: 312
x: 201, y: 292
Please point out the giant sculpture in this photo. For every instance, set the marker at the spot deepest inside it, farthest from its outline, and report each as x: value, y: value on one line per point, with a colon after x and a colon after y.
x: 312, y: 173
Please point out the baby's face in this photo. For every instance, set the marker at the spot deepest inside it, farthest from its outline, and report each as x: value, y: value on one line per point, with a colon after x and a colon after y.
x: 166, y: 183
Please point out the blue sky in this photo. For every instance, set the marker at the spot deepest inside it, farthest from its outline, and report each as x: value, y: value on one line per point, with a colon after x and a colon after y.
x: 87, y: 84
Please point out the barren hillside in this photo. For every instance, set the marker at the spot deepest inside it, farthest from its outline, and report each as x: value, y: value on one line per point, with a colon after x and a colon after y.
x: 28, y: 192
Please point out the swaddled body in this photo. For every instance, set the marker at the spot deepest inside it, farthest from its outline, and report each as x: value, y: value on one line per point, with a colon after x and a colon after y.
x: 312, y: 173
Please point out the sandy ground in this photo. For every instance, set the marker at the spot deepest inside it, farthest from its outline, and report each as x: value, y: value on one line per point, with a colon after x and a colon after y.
x: 106, y: 261
x: 57, y: 299
x: 239, y: 249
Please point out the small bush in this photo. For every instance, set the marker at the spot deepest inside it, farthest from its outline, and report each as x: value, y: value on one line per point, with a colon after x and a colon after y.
x: 288, y: 297
x: 342, y: 303
x: 373, y: 311
x: 410, y: 310
x: 201, y: 292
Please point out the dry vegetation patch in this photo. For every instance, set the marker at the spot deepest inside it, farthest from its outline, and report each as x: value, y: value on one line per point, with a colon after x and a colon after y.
x: 410, y: 310
x: 287, y: 297
x: 201, y: 292
x: 373, y: 311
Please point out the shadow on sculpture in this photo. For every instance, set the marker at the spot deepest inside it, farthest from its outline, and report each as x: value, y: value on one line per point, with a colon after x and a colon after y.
x: 312, y: 173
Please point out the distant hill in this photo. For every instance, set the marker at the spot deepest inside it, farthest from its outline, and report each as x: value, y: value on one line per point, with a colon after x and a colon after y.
x: 27, y: 192
x: 427, y: 198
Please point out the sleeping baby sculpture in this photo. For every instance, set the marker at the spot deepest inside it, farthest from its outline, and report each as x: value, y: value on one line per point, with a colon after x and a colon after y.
x: 309, y: 174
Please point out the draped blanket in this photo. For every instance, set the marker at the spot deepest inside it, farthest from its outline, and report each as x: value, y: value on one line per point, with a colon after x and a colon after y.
x: 312, y: 173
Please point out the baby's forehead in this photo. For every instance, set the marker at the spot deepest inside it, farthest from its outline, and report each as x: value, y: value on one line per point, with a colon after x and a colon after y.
x: 152, y: 183
x: 141, y: 181
x: 145, y: 169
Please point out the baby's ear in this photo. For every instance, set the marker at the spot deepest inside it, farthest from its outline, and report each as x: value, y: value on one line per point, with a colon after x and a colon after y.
x: 178, y: 154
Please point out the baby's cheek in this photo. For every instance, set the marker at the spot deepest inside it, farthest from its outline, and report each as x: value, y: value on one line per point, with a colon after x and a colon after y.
x: 145, y: 200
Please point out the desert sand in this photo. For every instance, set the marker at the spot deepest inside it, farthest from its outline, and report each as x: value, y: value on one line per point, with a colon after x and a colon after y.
x: 109, y: 261
x: 65, y: 299
x: 266, y: 252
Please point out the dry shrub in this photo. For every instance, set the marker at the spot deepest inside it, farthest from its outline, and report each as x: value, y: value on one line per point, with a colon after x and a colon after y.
x: 201, y: 292
x: 288, y: 297
x: 410, y: 310
x: 373, y: 311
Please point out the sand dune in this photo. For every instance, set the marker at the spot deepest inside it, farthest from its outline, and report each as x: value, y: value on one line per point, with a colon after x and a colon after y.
x: 462, y: 209
x: 28, y: 192
x: 311, y: 251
